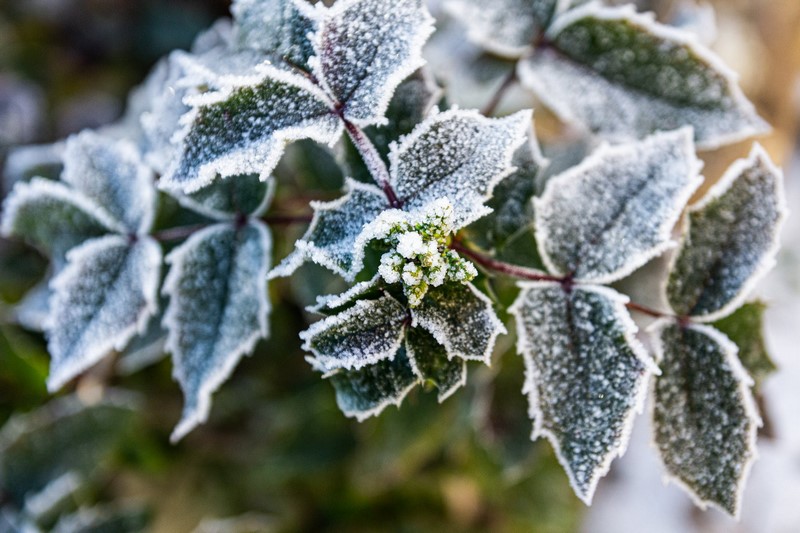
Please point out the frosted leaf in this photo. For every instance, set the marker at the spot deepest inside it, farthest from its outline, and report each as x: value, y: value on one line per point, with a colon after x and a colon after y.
x: 243, y: 127
x: 745, y: 327
x: 227, y: 197
x: 217, y: 285
x: 145, y: 349
x: 53, y: 217
x: 731, y: 240
x: 365, y: 48
x: 331, y: 238
x: 585, y: 375
x: 611, y: 214
x: 368, y: 391
x: 101, y: 300
x: 326, y: 304
x: 704, y: 417
x: 368, y: 332
x: 506, y: 27
x: 26, y: 162
x: 31, y: 312
x: 112, y: 174
x: 430, y: 363
x: 461, y: 319
x: 623, y: 76
x: 279, y: 27
x: 458, y: 155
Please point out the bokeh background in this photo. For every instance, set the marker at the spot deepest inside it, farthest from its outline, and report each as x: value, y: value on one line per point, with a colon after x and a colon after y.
x: 276, y: 454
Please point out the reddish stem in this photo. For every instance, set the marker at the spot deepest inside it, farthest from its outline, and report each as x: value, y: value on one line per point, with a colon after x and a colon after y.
x: 498, y: 95
x: 373, y: 160
x: 504, y: 268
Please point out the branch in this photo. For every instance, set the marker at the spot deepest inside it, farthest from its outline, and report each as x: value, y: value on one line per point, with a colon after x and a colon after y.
x: 373, y: 160
x: 504, y: 268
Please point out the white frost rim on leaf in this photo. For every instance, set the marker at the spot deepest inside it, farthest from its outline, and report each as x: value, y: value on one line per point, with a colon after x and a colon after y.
x: 758, y: 157
x: 647, y: 22
x: 745, y: 382
x: 498, y: 328
x: 326, y: 363
x: 443, y: 394
x: 75, y: 259
x: 397, y: 401
x: 35, y: 189
x: 479, y: 35
x: 524, y: 346
x: 176, y: 260
x: 332, y: 301
x: 686, y: 136
x: 400, y: 72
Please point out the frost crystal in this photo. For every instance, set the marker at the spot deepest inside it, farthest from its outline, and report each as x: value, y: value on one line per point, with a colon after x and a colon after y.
x: 614, y: 212
x: 585, y: 375
x: 704, y: 417
x: 278, y: 27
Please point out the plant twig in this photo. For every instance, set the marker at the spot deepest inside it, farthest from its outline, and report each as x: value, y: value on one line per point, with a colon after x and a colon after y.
x: 508, y: 81
x: 504, y: 268
x: 373, y: 160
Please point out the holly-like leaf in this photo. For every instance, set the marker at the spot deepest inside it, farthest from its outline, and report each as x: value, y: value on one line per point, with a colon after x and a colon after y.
x: 364, y: 49
x: 24, y: 163
x: 461, y: 318
x: 731, y: 240
x: 331, y: 303
x: 586, y: 374
x: 111, y: 174
x: 276, y: 27
x: 218, y: 310
x: 623, y: 76
x: 705, y: 419
x: 458, y: 155
x: 331, y: 238
x: 430, y: 362
x: 243, y: 127
x: 369, y: 332
x: 232, y: 196
x: 614, y: 212
x: 367, y: 391
x: 745, y: 327
x: 102, y: 298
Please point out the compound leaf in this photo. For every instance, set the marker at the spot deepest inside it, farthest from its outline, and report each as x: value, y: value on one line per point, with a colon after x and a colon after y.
x: 362, y: 335
x: 731, y: 240
x: 458, y: 155
x: 430, y: 362
x: 745, y: 327
x: 276, y: 27
x: 623, y: 76
x: 365, y: 48
x: 218, y: 310
x: 614, y: 212
x: 228, y: 197
x: 585, y: 375
x: 704, y: 418
x: 461, y: 319
x: 101, y: 299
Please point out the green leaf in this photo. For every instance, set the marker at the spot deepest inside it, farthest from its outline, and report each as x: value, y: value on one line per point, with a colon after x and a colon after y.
x: 586, y: 375
x: 705, y: 419
x: 745, y: 327
x: 642, y: 77
x: 276, y: 27
x: 228, y: 197
x: 430, y: 362
x: 218, y: 310
x: 731, y: 241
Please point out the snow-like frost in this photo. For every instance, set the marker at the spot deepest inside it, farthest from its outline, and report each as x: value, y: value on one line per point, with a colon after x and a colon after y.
x: 731, y: 240
x: 218, y: 310
x: 461, y: 318
x: 277, y: 27
x: 622, y: 75
x: 705, y: 420
x: 430, y: 362
x: 369, y: 332
x: 101, y: 300
x: 364, y: 49
x: 333, y: 301
x: 608, y: 216
x: 231, y: 196
x: 25, y: 162
x: 586, y: 375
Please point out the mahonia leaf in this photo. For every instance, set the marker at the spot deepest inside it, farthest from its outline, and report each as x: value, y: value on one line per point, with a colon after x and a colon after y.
x: 745, y: 327
x: 623, y: 76
x: 460, y: 318
x: 279, y: 27
x: 458, y: 155
x: 24, y: 163
x: 331, y: 238
x: 31, y: 312
x: 731, y: 241
x: 334, y: 302
x: 430, y: 362
x: 367, y: 391
x: 614, y: 212
x: 218, y: 309
x: 586, y: 374
x: 369, y: 332
x: 53, y: 217
x: 364, y: 49
x: 145, y: 349
x: 231, y: 196
x: 243, y: 127
x: 101, y: 300
x: 111, y: 174
x: 505, y: 27
x: 704, y: 416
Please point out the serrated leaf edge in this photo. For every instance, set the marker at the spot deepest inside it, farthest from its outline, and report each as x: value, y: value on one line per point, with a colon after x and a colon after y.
x: 442, y: 394
x: 332, y: 301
